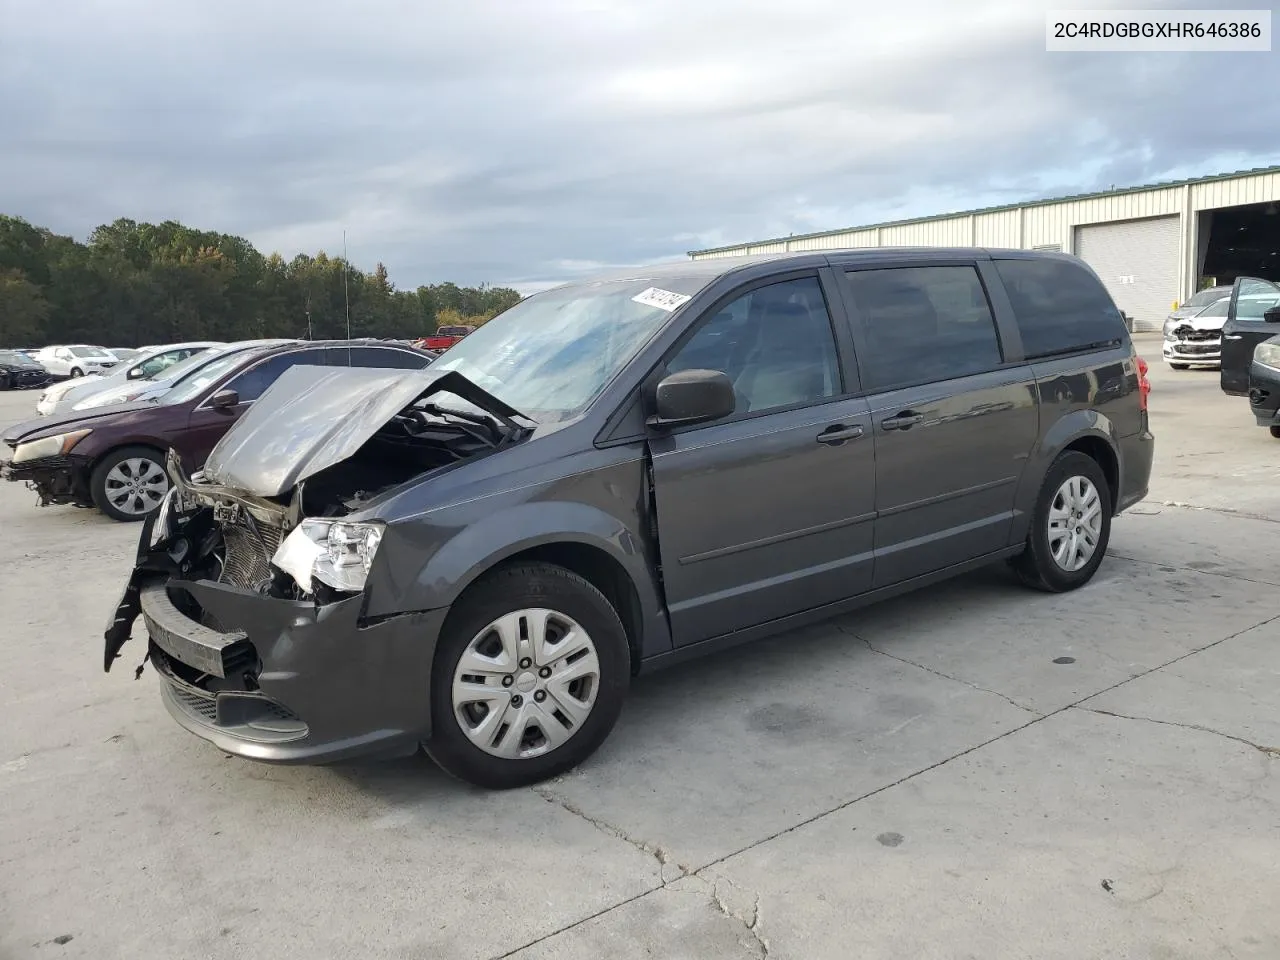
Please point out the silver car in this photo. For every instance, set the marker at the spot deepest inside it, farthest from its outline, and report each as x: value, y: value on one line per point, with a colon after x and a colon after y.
x: 149, y: 363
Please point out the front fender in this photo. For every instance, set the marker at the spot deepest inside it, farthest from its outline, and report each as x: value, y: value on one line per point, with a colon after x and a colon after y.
x: 470, y: 546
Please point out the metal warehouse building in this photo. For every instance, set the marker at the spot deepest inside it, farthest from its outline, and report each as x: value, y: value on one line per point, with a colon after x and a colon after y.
x: 1152, y: 245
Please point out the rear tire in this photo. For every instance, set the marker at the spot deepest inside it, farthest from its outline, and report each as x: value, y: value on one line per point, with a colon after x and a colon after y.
x: 489, y: 711
x: 76, y: 372
x: 114, y: 477
x: 1064, y: 527
x: 1275, y: 432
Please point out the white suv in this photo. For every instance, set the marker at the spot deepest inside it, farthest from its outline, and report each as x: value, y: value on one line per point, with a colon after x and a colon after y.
x: 75, y: 360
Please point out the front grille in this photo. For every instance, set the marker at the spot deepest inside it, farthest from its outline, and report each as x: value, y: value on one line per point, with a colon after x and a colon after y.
x: 249, y: 547
x: 1197, y: 336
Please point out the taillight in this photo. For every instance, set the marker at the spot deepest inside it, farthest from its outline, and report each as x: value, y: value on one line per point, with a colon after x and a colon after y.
x: 1144, y: 385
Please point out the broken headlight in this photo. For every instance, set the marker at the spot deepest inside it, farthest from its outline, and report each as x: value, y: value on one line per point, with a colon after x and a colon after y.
x: 335, y: 552
x: 54, y: 446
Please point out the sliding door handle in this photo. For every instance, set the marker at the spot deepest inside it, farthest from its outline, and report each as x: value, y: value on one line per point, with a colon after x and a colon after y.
x: 903, y: 421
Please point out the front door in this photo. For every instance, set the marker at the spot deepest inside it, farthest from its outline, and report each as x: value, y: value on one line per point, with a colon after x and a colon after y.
x: 770, y: 511
x: 953, y: 424
x: 1244, y: 329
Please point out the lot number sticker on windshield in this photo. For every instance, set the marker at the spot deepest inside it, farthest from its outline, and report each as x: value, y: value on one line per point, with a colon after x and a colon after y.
x: 662, y: 299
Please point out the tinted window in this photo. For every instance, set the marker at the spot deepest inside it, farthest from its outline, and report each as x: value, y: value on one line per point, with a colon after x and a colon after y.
x: 774, y: 343
x: 376, y: 357
x: 923, y: 324
x: 1059, y: 305
x: 251, y: 384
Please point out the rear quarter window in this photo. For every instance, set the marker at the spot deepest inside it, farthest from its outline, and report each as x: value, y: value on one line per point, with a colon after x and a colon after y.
x: 1059, y: 306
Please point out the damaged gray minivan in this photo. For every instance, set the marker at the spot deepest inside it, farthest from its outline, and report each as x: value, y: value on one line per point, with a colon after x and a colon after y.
x: 618, y: 474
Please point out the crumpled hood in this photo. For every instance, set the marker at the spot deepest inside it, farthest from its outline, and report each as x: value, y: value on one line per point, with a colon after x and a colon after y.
x: 314, y: 417
x: 1199, y: 323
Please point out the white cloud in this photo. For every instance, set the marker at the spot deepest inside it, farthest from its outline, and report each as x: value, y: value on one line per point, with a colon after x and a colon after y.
x: 488, y: 140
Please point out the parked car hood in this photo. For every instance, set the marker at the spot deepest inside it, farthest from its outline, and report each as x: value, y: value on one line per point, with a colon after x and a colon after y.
x: 1201, y: 323
x: 29, y: 365
x: 312, y: 418
x: 64, y: 423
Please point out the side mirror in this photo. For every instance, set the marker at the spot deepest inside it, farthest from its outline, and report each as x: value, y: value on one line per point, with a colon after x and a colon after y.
x: 1272, y: 315
x: 224, y: 400
x: 693, y: 396
x: 135, y: 373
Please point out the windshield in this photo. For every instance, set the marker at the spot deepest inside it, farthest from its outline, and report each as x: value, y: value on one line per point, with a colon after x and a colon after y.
x: 549, y: 356
x: 89, y: 352
x: 1204, y: 298
x: 17, y: 359
x: 1216, y: 309
x: 122, y: 353
x: 210, y: 369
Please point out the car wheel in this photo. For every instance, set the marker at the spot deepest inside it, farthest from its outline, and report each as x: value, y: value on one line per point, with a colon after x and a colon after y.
x: 77, y: 372
x: 529, y: 677
x: 1275, y: 432
x: 129, y: 483
x: 1178, y: 366
x: 1070, y: 526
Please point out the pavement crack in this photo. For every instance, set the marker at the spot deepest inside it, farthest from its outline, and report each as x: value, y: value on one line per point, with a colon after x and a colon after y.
x: 749, y: 918
x: 936, y: 673
x: 657, y: 851
x: 1273, y: 752
x: 1192, y: 570
x: 1225, y: 511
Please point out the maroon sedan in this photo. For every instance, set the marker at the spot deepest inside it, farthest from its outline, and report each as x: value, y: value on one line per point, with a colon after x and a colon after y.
x: 113, y: 457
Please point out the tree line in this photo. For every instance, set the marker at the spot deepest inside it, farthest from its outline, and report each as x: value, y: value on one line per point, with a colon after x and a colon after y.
x: 135, y: 283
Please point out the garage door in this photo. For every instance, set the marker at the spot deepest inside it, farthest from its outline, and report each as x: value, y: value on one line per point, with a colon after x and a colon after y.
x: 1138, y: 262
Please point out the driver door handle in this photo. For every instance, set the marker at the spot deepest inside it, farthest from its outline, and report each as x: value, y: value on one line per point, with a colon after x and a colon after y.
x: 903, y: 421
x: 839, y: 433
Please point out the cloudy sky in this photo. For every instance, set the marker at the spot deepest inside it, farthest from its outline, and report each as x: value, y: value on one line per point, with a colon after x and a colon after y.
x: 520, y: 141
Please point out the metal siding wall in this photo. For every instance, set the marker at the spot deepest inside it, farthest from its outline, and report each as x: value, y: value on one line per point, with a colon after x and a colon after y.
x: 1044, y: 224
x: 1263, y: 188
x: 997, y: 229
x: 1138, y: 263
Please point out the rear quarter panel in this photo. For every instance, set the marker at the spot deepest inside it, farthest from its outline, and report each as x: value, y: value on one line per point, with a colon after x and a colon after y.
x: 1091, y: 395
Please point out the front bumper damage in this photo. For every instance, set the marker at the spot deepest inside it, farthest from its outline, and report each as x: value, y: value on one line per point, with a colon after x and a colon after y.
x: 268, y: 678
x: 55, y: 480
x: 1193, y: 348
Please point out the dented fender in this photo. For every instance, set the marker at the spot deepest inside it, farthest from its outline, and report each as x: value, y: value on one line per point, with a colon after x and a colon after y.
x: 462, y: 546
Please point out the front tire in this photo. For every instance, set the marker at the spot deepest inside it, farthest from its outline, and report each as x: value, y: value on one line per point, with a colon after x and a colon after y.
x: 1275, y: 432
x: 129, y: 483
x: 529, y: 677
x: 1070, y: 527
x: 76, y: 372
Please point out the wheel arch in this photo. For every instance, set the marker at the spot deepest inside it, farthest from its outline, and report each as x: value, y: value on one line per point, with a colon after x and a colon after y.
x: 1086, y: 431
x: 578, y: 537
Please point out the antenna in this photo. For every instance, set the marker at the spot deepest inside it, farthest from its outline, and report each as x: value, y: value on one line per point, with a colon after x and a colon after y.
x: 346, y: 294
